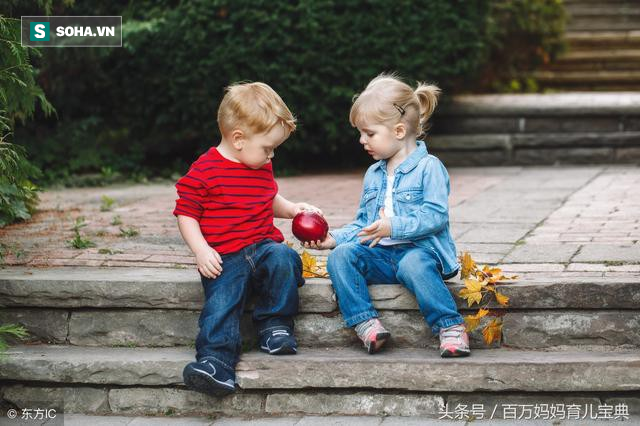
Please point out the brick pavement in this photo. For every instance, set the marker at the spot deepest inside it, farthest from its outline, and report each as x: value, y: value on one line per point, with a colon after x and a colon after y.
x: 569, y: 221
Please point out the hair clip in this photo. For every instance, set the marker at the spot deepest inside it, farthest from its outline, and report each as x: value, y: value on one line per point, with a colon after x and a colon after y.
x: 399, y: 108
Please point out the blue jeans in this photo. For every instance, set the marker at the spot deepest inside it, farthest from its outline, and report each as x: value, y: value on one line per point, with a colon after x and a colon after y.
x: 353, y: 265
x: 274, y: 272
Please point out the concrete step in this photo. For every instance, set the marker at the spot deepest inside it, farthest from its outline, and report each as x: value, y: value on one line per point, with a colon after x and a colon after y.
x: 587, y: 77
x: 603, y: 39
x: 95, y: 307
x: 559, y: 128
x: 338, y: 381
x: 597, y: 60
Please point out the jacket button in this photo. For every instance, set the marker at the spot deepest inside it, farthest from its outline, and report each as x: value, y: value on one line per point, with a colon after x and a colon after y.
x: 408, y: 197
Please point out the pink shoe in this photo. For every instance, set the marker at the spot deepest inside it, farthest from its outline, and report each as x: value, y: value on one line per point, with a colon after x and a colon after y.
x: 454, y: 341
x: 372, y: 334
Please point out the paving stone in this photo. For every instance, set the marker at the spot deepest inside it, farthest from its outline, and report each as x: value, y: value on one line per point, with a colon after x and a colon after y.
x: 552, y: 253
x: 339, y: 421
x: 277, y: 421
x: 608, y: 253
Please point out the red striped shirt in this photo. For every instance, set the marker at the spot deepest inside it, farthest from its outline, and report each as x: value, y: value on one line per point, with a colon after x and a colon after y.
x: 232, y: 202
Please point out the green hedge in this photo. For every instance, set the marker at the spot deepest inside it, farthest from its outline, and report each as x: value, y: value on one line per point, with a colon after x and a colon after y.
x: 150, y: 107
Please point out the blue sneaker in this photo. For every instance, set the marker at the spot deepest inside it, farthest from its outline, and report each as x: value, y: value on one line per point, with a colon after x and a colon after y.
x: 278, y: 341
x: 209, y: 377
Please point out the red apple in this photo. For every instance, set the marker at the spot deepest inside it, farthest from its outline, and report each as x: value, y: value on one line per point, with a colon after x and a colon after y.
x: 309, y: 226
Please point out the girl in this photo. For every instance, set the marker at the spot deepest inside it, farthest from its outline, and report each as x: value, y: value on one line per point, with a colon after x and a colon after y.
x: 401, y: 230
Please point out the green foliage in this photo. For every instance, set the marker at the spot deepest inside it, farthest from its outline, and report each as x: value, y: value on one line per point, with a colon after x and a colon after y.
x: 106, y: 203
x: 129, y: 232
x: 10, y: 330
x: 18, y: 195
x: 524, y: 34
x: 149, y: 108
x: 19, y: 95
x: 78, y: 241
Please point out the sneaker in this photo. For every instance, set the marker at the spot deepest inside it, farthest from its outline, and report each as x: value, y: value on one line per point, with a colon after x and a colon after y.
x: 207, y: 376
x: 454, y: 341
x: 278, y: 341
x: 372, y: 334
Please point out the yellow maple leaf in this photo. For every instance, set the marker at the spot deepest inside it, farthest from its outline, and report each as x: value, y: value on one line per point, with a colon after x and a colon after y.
x: 473, y: 321
x: 502, y: 299
x: 310, y: 267
x: 493, y: 331
x: 472, y: 291
x: 468, y: 265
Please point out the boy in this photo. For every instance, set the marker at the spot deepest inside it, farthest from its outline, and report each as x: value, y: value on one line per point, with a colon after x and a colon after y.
x: 226, y: 205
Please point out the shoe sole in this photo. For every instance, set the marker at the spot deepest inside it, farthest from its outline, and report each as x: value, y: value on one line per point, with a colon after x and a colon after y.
x: 381, y: 338
x: 282, y: 350
x: 204, y: 383
x: 455, y: 354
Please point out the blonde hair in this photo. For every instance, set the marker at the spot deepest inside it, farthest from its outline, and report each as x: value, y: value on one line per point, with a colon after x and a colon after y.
x: 389, y: 100
x: 253, y: 107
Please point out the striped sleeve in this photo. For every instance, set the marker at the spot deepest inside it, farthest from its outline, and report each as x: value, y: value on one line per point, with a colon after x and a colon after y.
x: 192, y: 190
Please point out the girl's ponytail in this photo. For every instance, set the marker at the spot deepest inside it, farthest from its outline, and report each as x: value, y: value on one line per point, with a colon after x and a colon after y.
x: 427, y: 95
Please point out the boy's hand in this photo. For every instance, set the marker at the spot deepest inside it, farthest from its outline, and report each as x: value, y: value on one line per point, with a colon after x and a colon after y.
x: 209, y: 262
x: 328, y: 243
x: 377, y: 230
x: 300, y: 207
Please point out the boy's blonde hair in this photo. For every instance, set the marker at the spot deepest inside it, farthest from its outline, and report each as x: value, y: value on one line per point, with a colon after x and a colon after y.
x: 254, y: 108
x: 389, y: 100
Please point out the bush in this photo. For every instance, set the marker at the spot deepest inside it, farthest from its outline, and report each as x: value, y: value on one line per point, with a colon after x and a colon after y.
x: 18, y: 95
x: 155, y: 100
x: 150, y: 107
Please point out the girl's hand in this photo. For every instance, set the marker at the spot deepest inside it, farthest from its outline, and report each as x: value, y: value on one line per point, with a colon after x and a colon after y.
x: 328, y: 243
x: 377, y: 230
x: 209, y: 262
x: 300, y: 207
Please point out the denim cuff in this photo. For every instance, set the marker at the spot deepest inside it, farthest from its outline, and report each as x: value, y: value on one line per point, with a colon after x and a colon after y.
x: 446, y: 323
x: 357, y: 319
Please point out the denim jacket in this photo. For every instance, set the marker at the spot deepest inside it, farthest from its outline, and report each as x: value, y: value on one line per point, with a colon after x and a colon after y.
x: 420, y: 204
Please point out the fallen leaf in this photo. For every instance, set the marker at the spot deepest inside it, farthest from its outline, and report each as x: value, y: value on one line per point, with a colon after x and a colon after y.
x: 468, y: 265
x: 502, y: 299
x: 472, y: 291
x: 493, y: 331
x: 473, y: 321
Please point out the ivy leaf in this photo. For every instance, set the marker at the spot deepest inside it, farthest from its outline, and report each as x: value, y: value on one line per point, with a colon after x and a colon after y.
x: 492, y: 332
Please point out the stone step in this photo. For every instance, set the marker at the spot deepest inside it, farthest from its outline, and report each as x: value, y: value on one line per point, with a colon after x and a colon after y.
x: 490, y: 370
x: 603, y: 39
x: 345, y: 382
x: 622, y: 10
x: 597, y: 60
x: 588, y: 77
x: 136, y: 307
x: 407, y: 382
